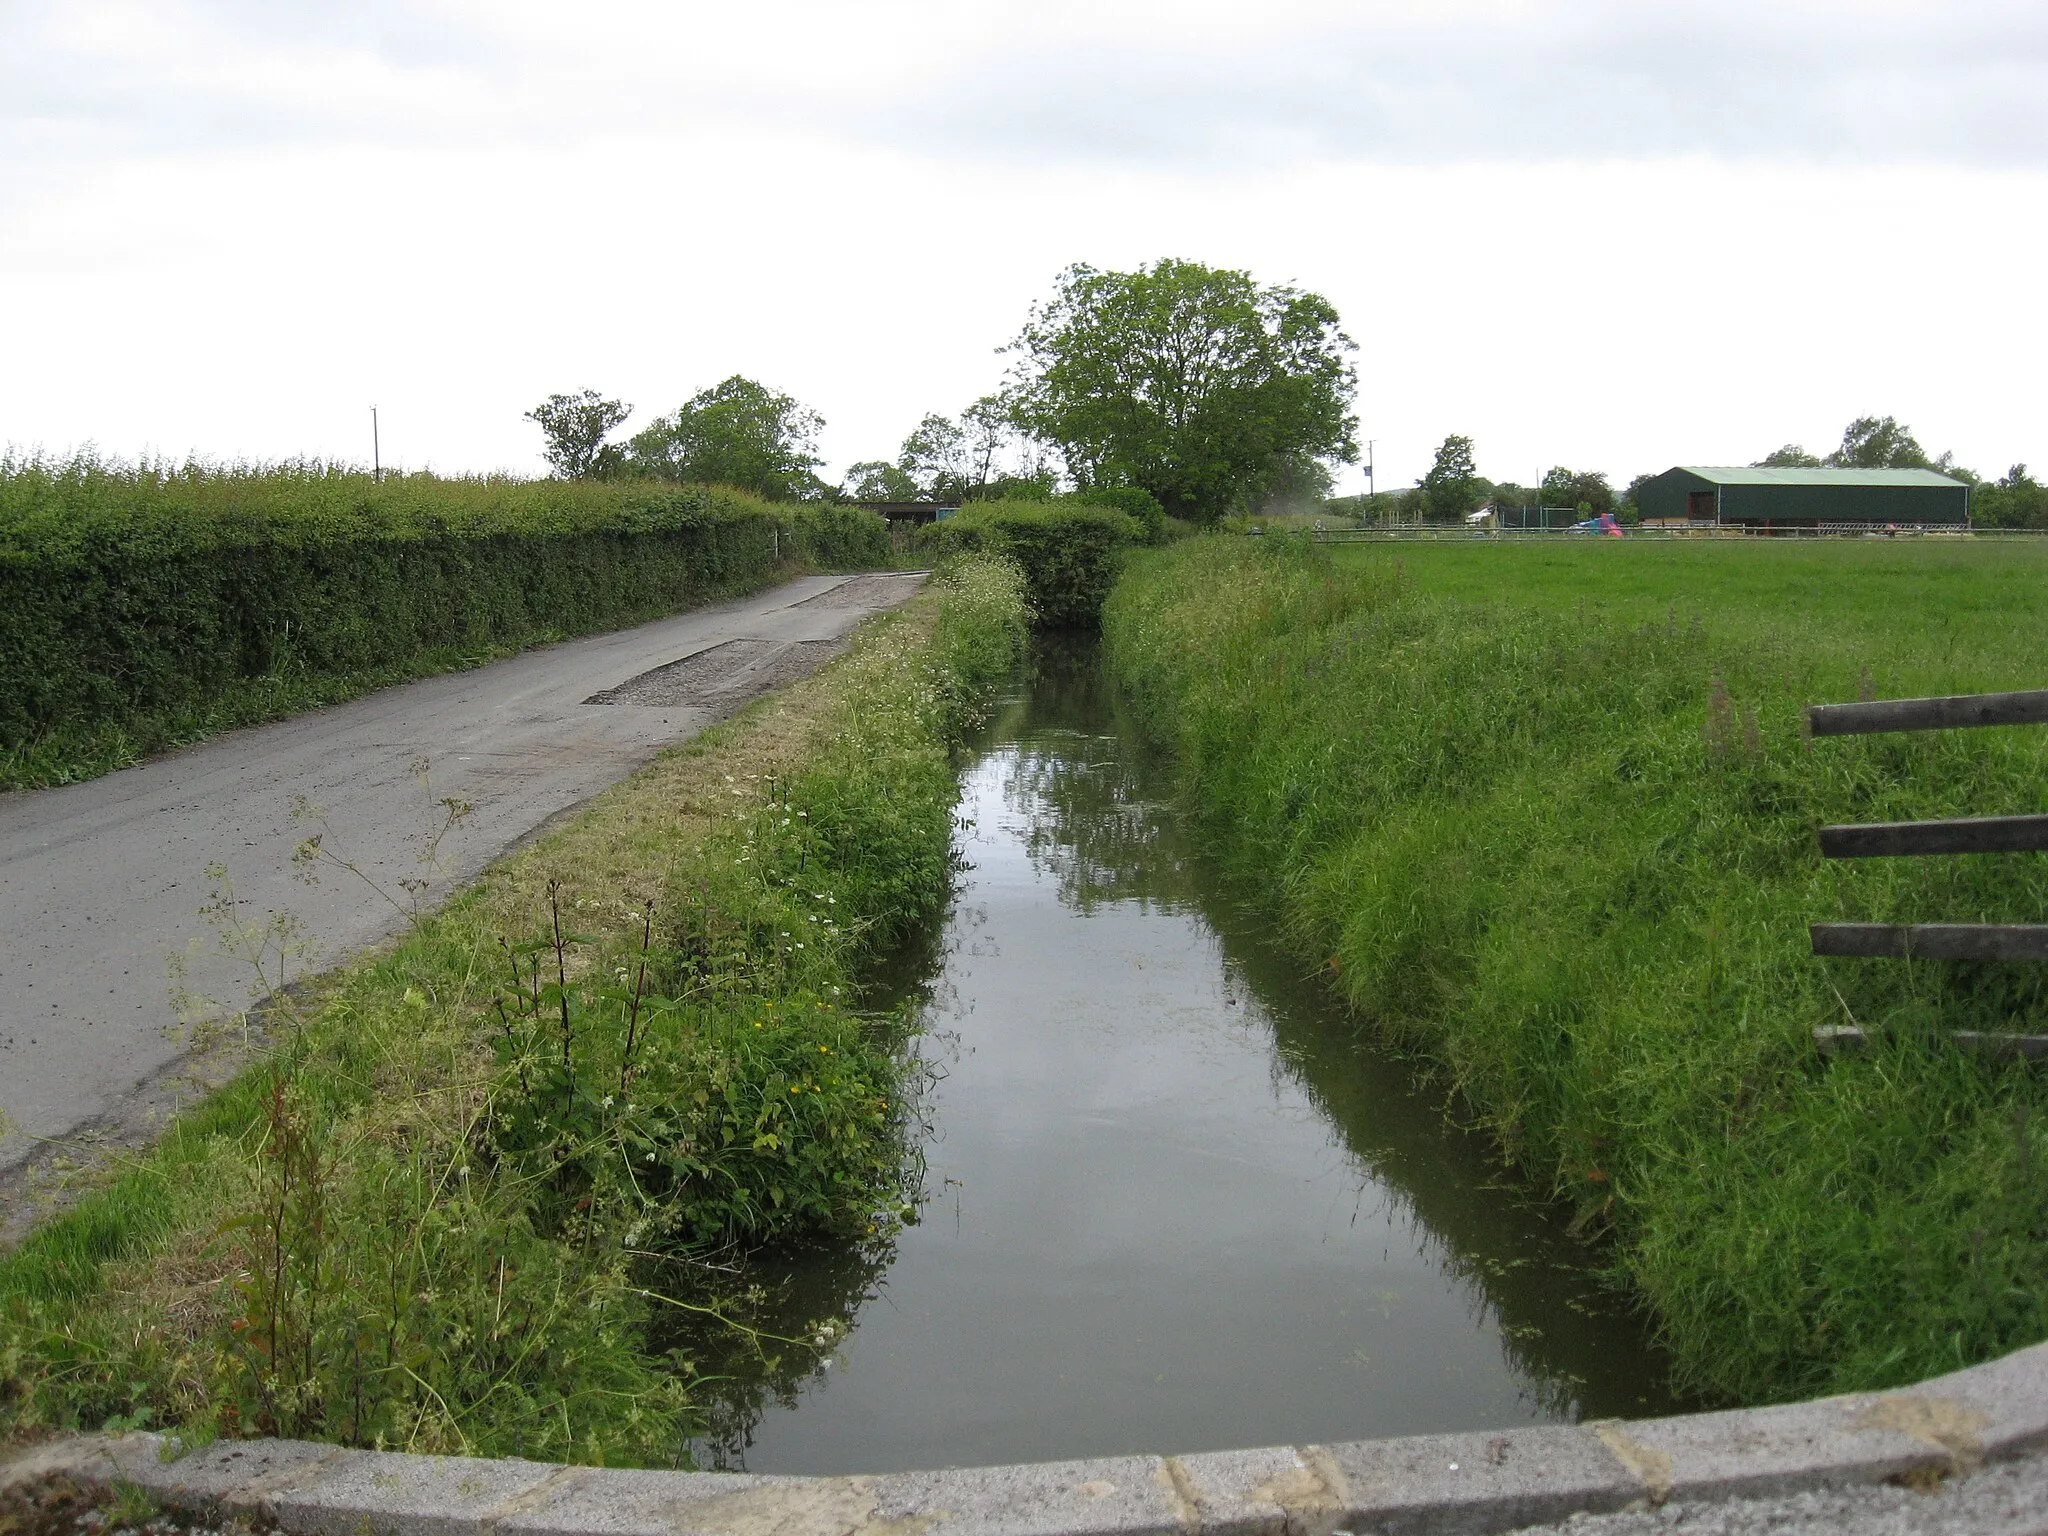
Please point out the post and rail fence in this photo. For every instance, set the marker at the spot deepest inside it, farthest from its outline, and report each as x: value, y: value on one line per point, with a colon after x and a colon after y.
x: 1993, y: 942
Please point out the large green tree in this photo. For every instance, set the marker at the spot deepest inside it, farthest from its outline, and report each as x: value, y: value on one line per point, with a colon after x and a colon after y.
x: 1878, y: 442
x: 980, y: 457
x: 988, y: 429
x: 1194, y: 383
x: 879, y: 480
x: 1452, y: 486
x: 2017, y: 500
x: 935, y: 457
x: 576, y: 427
x: 1588, y: 489
x: 742, y: 433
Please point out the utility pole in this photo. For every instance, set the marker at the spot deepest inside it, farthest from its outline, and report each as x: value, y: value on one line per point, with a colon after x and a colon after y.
x: 1372, y: 485
x: 376, y: 451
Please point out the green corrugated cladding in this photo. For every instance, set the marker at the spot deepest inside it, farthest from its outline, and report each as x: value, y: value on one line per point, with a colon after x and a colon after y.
x: 1800, y: 497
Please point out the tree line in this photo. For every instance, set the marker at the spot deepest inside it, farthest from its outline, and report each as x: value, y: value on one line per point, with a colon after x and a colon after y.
x: 1453, y: 487
x: 739, y: 433
x: 1194, y: 390
x: 2014, y: 500
x: 1178, y: 388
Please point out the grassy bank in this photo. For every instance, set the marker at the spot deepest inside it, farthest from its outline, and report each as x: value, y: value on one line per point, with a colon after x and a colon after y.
x: 147, y: 607
x: 1547, y: 818
x: 479, y: 1174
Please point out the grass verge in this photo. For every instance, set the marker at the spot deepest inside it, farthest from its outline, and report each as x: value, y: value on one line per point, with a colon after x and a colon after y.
x: 1550, y: 822
x: 477, y: 1168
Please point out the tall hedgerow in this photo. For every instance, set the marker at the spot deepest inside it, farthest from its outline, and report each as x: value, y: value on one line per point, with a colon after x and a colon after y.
x: 141, y: 606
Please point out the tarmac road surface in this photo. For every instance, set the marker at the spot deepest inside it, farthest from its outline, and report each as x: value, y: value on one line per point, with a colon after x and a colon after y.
x: 102, y: 884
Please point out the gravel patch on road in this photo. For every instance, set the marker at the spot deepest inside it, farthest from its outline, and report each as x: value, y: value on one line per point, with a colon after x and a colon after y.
x: 693, y: 680
x: 867, y: 592
x: 725, y: 676
x: 795, y: 662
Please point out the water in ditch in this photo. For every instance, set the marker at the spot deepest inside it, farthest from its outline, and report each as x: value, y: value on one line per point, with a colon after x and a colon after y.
x: 1176, y: 1202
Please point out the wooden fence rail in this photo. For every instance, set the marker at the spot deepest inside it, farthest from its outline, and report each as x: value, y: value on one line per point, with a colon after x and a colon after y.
x: 1904, y: 839
x: 1994, y: 942
x: 2028, y: 708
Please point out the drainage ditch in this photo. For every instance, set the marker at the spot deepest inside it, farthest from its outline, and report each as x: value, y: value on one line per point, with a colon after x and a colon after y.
x: 1175, y: 1199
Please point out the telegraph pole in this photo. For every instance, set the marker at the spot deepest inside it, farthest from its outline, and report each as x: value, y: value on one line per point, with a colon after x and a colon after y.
x: 376, y: 451
x: 1372, y: 485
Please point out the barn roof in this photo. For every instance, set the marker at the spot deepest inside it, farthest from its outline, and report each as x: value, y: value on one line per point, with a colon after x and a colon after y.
x: 1722, y: 474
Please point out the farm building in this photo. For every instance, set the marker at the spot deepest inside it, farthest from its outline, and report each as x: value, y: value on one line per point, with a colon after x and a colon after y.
x: 1803, y: 499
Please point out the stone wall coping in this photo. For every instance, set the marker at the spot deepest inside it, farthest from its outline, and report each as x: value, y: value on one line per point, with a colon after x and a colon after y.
x: 1420, y: 1485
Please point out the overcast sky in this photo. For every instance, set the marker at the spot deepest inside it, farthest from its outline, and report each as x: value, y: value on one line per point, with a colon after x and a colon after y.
x: 1604, y: 235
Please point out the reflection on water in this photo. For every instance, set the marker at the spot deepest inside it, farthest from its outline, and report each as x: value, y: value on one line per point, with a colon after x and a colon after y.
x: 1177, y: 1204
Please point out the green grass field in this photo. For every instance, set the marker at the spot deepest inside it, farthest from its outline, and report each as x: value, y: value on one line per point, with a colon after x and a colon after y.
x: 1931, y: 615
x: 1545, y: 814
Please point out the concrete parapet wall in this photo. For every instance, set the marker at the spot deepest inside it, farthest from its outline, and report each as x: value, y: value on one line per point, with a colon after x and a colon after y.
x: 1467, y: 1484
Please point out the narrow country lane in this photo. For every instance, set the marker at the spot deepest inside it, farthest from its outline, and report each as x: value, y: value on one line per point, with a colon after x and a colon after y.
x: 102, y: 884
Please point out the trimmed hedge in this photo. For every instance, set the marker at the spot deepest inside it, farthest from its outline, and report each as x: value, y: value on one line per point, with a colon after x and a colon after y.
x: 1141, y: 504
x: 131, y: 593
x: 1071, y: 553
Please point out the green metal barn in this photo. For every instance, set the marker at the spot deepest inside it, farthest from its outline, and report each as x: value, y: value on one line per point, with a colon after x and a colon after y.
x: 1803, y: 500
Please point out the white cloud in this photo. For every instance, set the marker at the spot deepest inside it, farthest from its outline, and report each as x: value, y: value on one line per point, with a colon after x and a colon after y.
x: 1600, y: 235
x: 1966, y: 84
